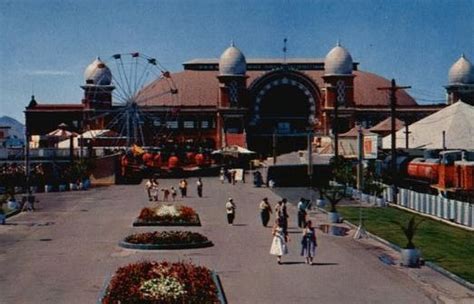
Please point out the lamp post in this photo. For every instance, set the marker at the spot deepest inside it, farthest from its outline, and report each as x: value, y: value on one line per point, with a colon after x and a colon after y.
x: 360, y: 232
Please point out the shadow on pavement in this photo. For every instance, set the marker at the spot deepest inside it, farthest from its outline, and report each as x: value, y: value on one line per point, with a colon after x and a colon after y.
x: 324, y: 264
x: 292, y: 263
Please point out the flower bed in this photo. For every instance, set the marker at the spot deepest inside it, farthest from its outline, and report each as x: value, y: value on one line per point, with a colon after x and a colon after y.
x: 163, y: 282
x: 166, y: 240
x: 168, y: 215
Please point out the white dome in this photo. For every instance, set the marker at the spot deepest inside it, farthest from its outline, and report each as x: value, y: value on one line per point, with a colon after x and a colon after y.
x: 461, y: 72
x: 338, y: 62
x: 98, y: 73
x: 232, y: 62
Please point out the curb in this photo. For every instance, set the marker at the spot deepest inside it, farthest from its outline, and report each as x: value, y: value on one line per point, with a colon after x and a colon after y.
x: 128, y: 245
x: 12, y: 213
x: 220, y: 290
x: 137, y: 223
x: 450, y: 275
x: 144, y: 224
x: 215, y: 278
x: 103, y: 290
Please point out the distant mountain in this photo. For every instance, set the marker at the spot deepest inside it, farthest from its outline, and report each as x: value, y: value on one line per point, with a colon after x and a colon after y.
x: 17, y: 128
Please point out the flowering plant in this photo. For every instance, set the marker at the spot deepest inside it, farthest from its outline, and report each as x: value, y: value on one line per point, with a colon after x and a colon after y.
x: 166, y: 237
x: 168, y: 213
x: 164, y: 282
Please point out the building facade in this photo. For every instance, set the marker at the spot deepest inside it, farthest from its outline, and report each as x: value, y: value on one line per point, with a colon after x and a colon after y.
x: 249, y: 102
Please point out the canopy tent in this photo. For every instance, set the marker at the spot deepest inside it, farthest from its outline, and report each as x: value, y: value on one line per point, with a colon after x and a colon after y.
x: 91, y: 134
x: 233, y: 150
x: 385, y: 126
x: 456, y: 120
x: 61, y: 133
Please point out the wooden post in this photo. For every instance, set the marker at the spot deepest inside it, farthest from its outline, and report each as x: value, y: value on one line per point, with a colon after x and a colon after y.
x: 393, y: 110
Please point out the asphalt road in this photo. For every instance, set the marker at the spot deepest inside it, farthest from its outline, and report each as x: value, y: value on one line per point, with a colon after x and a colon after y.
x: 64, y: 252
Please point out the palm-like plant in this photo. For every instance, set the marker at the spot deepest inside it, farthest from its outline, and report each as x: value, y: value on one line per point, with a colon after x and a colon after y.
x: 334, y: 194
x: 409, y: 229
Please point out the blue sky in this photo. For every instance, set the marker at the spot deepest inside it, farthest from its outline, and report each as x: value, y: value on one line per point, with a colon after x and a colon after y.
x: 45, y: 45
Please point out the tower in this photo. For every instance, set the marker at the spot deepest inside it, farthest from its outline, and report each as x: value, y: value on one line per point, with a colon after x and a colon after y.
x: 460, y: 82
x: 98, y: 88
x: 338, y: 85
x: 97, y: 94
x: 232, y: 97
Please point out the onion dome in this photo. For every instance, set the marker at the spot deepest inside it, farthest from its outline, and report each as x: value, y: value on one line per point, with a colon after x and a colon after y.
x: 98, y: 73
x: 232, y: 62
x: 461, y: 72
x: 338, y: 61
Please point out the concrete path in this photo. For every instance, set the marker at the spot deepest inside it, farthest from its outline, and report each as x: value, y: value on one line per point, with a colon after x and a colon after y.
x: 64, y: 252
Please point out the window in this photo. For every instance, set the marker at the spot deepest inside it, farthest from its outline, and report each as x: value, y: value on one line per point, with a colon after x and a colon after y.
x: 157, y: 122
x: 284, y: 127
x: 204, y: 124
x: 188, y: 124
x: 172, y: 124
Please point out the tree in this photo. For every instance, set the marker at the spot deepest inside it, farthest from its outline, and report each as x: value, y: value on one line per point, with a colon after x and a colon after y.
x: 334, y: 194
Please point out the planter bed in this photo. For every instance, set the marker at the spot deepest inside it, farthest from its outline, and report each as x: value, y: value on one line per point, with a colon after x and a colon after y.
x: 163, y: 282
x: 166, y: 240
x: 167, y: 215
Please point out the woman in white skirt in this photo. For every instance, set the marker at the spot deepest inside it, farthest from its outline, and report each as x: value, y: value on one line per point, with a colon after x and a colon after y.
x: 280, y: 238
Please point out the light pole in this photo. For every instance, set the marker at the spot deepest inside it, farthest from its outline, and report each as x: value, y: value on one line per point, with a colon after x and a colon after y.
x: 360, y: 232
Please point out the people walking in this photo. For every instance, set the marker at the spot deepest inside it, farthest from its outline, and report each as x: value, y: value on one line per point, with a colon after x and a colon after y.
x: 199, y: 187
x: 166, y: 194
x: 183, y: 187
x: 301, y: 213
x: 173, y: 193
x: 222, y: 175
x: 265, y: 211
x: 280, y: 238
x: 308, y: 243
x: 154, y: 190
x: 282, y: 214
x: 230, y: 210
x: 149, y: 185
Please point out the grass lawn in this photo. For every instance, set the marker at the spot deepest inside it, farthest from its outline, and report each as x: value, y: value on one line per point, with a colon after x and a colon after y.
x: 450, y: 247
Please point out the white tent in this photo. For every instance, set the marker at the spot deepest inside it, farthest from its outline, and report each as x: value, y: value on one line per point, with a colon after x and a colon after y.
x: 233, y: 149
x: 457, y: 120
x: 86, y: 135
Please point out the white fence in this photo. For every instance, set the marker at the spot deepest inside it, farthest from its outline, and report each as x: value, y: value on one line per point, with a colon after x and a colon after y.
x: 443, y: 208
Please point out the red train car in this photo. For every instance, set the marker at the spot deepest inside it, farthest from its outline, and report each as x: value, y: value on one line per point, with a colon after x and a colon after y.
x: 424, y: 169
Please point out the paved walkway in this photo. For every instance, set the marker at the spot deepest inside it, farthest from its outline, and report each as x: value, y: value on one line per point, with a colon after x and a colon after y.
x: 64, y: 252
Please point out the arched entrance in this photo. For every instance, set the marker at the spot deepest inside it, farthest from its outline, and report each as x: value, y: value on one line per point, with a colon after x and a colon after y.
x: 284, y: 106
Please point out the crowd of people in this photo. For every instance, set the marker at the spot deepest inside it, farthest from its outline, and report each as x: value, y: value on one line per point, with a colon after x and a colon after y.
x: 153, y: 189
x: 280, y: 238
x: 279, y: 246
x: 231, y: 175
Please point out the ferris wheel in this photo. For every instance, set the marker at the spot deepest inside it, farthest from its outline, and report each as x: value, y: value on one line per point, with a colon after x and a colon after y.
x: 136, y: 83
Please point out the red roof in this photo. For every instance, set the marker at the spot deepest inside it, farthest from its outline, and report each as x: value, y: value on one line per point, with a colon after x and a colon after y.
x: 354, y: 132
x: 386, y: 125
x: 201, y: 88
